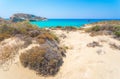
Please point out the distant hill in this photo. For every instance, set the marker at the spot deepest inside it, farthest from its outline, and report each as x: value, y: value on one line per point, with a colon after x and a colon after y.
x: 18, y: 17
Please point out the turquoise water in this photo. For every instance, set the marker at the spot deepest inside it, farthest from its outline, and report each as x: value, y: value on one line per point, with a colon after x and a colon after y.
x: 64, y: 22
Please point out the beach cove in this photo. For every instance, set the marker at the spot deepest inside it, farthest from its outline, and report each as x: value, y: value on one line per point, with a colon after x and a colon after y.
x: 49, y: 23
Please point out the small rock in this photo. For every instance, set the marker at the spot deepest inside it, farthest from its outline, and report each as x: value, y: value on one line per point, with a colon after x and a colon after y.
x: 94, y: 44
x: 100, y: 52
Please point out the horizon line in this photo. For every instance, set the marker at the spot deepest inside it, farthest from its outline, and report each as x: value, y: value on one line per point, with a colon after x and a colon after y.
x: 79, y: 18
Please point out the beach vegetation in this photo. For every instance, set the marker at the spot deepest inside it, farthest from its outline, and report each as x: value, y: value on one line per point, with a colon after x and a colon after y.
x: 107, y: 28
x: 25, y: 28
x: 8, y: 50
x: 96, y: 28
x: 117, y: 33
x: 43, y: 62
x: 41, y: 41
x: 65, y: 47
x: 4, y: 36
x: 31, y: 57
x: 49, y: 36
x: 45, y: 58
x: 70, y: 28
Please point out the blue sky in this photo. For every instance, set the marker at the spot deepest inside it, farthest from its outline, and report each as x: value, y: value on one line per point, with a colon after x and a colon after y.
x: 62, y: 8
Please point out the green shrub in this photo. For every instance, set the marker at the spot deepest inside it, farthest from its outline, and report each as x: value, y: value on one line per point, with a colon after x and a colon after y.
x: 70, y: 28
x: 54, y: 37
x: 95, y: 28
x: 104, y: 29
x: 117, y: 33
x: 116, y: 28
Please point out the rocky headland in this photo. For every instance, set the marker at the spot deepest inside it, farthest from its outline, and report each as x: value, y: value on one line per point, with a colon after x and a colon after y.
x: 18, y: 17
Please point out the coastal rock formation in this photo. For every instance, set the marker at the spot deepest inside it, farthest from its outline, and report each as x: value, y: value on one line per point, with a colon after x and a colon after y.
x: 18, y: 17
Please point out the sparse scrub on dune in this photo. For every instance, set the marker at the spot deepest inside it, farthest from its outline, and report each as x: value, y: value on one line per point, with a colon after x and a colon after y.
x: 96, y: 28
x: 109, y: 28
x: 21, y: 27
x: 4, y: 36
x: 43, y: 62
x: 117, y: 33
x: 24, y: 28
x: 32, y: 57
x: 49, y: 36
x: 70, y: 28
x: 9, y: 30
x: 9, y: 48
x: 45, y: 58
x: 41, y: 41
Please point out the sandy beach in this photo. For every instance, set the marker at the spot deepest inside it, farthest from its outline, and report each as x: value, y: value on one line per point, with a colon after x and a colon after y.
x: 81, y: 61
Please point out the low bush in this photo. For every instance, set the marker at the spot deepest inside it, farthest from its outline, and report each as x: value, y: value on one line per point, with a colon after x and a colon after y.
x: 92, y: 29
x: 49, y: 36
x: 96, y: 28
x: 41, y: 41
x: 6, y: 54
x: 8, y: 49
x: 32, y: 57
x: 23, y: 28
x: 117, y: 33
x: 41, y: 60
x: 70, y: 28
x: 4, y: 36
x: 104, y: 29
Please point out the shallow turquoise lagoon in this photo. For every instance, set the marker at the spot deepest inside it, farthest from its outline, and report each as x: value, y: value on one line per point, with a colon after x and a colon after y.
x: 65, y: 22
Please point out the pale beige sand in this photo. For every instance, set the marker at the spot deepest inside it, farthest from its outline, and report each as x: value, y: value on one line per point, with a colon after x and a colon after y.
x: 81, y: 62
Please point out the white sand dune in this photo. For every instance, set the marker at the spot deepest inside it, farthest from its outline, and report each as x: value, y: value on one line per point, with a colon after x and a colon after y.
x: 81, y: 62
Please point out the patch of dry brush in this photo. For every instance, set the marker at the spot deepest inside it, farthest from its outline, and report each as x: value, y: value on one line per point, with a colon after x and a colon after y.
x: 41, y: 60
x: 45, y: 59
x: 107, y: 27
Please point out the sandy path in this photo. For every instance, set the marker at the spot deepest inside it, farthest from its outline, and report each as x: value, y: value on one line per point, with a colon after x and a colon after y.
x: 84, y: 63
x: 81, y: 62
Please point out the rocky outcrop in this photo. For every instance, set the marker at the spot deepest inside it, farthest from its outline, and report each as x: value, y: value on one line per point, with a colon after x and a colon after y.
x: 25, y: 17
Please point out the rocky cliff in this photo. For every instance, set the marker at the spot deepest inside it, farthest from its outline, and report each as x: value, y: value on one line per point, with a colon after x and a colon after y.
x: 23, y: 17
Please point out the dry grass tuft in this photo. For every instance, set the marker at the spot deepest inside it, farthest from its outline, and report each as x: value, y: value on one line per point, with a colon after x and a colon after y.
x: 32, y: 57
x: 49, y: 36
x: 41, y: 41
x: 9, y: 48
x: 106, y: 29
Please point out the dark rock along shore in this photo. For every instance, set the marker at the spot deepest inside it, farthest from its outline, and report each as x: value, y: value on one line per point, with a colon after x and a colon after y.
x: 18, y: 17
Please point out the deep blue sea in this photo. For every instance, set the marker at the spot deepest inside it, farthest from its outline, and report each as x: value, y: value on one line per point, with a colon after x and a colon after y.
x: 66, y: 22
